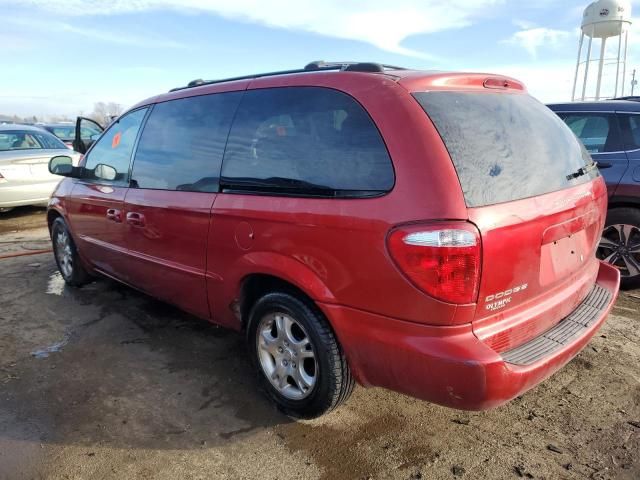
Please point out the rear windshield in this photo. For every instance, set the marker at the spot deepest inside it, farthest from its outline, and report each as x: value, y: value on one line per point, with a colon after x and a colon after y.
x: 506, y: 146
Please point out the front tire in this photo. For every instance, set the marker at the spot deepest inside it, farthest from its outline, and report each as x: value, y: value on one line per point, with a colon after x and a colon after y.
x: 620, y: 244
x: 297, y: 357
x: 66, y: 255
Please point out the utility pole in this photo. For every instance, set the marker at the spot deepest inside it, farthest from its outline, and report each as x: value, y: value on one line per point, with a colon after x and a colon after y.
x: 634, y: 82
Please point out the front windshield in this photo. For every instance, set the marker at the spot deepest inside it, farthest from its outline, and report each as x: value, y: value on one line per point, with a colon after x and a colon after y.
x: 28, y: 140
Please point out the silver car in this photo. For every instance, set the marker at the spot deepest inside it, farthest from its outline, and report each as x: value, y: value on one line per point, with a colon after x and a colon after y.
x: 25, y: 152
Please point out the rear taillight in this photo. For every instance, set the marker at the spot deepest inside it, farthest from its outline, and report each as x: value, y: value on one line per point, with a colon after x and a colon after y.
x: 2, y: 179
x: 442, y: 260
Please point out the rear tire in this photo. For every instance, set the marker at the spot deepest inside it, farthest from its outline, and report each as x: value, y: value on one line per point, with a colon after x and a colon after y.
x: 620, y: 244
x: 297, y: 357
x: 66, y: 255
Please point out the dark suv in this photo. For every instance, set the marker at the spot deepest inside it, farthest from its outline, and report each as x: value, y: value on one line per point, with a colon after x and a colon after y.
x: 610, y: 131
x: 428, y: 232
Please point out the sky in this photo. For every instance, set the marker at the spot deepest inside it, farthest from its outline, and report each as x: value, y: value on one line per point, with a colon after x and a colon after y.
x: 61, y: 56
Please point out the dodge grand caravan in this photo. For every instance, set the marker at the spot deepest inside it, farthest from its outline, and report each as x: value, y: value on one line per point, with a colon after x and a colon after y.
x: 431, y: 233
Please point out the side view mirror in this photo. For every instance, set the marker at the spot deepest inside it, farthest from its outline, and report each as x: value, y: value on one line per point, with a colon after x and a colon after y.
x: 61, y: 165
x: 105, y: 172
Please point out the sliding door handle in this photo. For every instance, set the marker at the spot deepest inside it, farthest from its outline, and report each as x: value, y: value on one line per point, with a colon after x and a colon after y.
x: 114, y: 215
x: 136, y: 219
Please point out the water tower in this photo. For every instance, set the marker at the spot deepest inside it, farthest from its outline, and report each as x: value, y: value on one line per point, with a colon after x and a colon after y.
x: 602, y: 20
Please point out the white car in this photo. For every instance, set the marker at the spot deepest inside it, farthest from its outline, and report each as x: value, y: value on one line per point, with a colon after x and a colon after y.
x: 25, y: 152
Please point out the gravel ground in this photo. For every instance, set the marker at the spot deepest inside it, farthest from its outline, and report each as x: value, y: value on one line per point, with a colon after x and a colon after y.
x: 104, y: 382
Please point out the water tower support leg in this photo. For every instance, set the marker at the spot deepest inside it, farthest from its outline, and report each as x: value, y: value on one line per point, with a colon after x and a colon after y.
x: 586, y: 65
x: 575, y: 78
x: 615, y: 93
x: 624, y: 67
x: 600, y: 65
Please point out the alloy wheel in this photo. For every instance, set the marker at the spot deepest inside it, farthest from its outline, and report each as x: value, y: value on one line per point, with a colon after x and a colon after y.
x: 64, y: 252
x: 620, y: 247
x: 286, y: 355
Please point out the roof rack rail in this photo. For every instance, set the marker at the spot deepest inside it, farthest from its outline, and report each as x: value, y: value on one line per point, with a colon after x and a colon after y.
x: 632, y: 98
x: 351, y: 66
x: 315, y: 66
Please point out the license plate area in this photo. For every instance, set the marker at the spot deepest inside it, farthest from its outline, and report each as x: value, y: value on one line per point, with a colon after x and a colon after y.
x: 566, y: 247
x: 563, y: 256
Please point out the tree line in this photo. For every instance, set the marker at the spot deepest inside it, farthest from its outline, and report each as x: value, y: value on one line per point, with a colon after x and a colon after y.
x: 103, y: 113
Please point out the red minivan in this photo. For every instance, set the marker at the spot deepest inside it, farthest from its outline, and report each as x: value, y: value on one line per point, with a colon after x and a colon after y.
x: 431, y: 233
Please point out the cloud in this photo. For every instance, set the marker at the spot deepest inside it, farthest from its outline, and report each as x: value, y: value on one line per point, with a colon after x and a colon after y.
x: 89, y: 32
x: 531, y: 38
x: 381, y: 23
x: 524, y: 24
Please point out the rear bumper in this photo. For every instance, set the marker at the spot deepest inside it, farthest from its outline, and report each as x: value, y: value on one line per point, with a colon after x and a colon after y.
x: 450, y: 365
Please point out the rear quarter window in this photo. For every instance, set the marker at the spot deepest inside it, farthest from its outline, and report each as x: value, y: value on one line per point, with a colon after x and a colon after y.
x: 305, y: 140
x: 505, y: 146
x: 631, y: 125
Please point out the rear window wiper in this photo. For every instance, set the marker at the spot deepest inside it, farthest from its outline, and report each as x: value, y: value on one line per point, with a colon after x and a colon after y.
x: 582, y: 171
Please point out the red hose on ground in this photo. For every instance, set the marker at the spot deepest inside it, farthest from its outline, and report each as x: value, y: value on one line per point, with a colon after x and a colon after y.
x: 22, y: 254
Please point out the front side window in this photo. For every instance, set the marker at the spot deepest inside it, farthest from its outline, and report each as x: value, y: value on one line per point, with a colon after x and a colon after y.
x: 115, y: 147
x: 598, y: 132
x: 182, y: 143
x: 305, y: 141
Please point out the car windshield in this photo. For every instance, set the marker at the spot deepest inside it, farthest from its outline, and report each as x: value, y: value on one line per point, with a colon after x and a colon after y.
x: 28, y: 140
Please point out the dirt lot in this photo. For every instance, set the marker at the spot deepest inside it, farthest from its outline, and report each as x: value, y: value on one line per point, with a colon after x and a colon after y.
x: 104, y: 382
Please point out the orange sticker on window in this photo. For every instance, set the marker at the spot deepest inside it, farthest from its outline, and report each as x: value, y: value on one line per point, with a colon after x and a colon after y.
x: 116, y: 140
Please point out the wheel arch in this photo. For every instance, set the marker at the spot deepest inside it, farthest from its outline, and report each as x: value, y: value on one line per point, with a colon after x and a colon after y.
x: 52, y: 214
x: 624, y: 202
x: 255, y: 285
x: 259, y: 272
